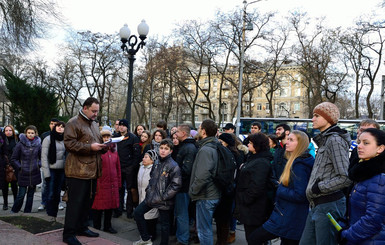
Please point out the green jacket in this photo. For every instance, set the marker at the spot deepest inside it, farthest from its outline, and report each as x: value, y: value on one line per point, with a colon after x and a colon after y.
x: 202, y: 185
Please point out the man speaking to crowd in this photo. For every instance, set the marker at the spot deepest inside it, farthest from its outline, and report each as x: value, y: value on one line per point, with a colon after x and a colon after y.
x: 83, y: 166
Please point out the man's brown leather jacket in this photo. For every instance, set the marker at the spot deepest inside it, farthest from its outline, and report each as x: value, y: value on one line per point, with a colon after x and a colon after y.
x: 82, y: 162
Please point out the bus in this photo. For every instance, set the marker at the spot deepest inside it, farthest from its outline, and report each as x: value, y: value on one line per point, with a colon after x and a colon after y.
x: 269, y: 125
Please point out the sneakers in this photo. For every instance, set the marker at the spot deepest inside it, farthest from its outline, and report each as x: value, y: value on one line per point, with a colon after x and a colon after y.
x: 231, y: 237
x: 141, y: 242
x: 61, y: 207
x: 41, y: 207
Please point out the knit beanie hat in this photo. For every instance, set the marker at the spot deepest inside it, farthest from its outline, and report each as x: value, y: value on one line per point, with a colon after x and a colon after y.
x: 153, y: 155
x: 226, y: 137
x: 106, y: 130
x: 329, y: 111
x: 123, y: 122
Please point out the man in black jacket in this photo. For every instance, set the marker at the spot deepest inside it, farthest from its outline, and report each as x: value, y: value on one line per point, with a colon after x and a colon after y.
x: 185, y: 159
x: 282, y: 131
x: 129, y: 155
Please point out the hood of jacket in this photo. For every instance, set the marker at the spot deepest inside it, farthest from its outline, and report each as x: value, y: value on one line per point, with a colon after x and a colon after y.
x: 243, y: 148
x: 305, y: 159
x: 207, y: 140
x: 321, y: 138
x: 188, y: 140
x: 25, y: 141
x: 363, y: 170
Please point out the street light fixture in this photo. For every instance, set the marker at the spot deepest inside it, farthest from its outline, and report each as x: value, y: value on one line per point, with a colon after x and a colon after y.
x: 128, y: 45
x: 244, y: 28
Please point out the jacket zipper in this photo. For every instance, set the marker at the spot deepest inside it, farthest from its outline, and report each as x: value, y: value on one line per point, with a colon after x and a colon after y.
x: 279, y: 211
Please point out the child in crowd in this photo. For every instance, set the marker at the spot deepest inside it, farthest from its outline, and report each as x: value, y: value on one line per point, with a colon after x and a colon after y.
x: 107, y: 188
x: 165, y: 182
x: 151, y: 217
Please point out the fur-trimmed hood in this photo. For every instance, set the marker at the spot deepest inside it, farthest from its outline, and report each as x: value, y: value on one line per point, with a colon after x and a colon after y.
x: 243, y: 148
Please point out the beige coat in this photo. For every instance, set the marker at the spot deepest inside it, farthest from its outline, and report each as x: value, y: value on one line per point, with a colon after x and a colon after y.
x: 143, y: 179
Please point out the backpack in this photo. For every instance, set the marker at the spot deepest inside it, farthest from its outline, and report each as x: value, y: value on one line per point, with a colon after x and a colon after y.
x: 224, y: 176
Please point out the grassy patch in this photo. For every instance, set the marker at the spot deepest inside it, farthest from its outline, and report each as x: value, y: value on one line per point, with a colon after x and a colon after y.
x: 32, y: 224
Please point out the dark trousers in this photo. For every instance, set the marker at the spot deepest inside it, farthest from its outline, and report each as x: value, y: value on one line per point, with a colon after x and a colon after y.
x: 151, y: 227
x: 164, y: 217
x: 97, y: 218
x: 81, y: 195
x: 30, y: 191
x: 260, y: 236
x: 53, y: 188
x: 5, y: 191
x: 128, y: 177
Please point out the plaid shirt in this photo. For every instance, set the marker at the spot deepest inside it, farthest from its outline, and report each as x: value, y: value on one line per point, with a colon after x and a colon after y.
x: 331, y: 163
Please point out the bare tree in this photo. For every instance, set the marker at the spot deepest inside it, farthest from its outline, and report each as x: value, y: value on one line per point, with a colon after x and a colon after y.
x: 23, y: 21
x: 318, y: 55
x: 372, y: 47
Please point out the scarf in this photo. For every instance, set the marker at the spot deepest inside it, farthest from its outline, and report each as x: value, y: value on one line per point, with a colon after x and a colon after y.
x: 155, y: 146
x: 364, y: 170
x: 52, y: 146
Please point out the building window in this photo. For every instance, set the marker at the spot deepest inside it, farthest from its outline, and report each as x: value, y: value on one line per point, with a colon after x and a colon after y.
x: 196, y: 117
x: 282, y: 106
x: 296, y: 106
x: 247, y: 107
x: 283, y: 92
x: 298, y: 92
x: 259, y: 106
x: 259, y: 93
x: 267, y: 105
x: 174, y: 117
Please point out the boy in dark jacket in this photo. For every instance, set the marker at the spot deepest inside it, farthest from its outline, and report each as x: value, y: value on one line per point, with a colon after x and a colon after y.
x: 164, y: 184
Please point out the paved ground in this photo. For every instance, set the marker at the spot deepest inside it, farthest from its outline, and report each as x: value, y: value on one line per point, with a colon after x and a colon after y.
x: 127, y: 230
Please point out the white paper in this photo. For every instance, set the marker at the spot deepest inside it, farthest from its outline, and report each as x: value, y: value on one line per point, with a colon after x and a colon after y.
x: 115, y: 140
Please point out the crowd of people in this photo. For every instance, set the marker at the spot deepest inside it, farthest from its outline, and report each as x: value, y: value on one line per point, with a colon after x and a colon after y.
x: 283, y: 186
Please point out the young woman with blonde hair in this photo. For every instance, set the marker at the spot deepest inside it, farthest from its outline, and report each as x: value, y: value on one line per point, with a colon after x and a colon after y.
x: 288, y: 218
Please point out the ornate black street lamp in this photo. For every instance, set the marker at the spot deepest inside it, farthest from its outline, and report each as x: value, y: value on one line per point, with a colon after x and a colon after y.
x: 128, y: 45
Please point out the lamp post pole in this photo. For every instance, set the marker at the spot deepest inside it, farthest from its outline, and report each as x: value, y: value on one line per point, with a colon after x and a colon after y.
x: 239, y: 107
x: 128, y: 46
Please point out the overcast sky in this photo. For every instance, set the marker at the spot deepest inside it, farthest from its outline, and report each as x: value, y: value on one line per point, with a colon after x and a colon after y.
x: 162, y: 15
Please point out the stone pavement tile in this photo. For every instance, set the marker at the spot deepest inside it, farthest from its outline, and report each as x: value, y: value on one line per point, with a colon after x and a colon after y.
x: 11, y: 235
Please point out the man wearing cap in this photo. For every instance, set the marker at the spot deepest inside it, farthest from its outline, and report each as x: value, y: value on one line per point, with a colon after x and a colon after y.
x: 328, y: 177
x: 84, y: 145
x: 129, y: 155
x: 229, y: 128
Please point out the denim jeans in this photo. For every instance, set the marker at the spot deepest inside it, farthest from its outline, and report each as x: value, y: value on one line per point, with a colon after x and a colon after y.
x: 182, y: 201
x: 204, y: 211
x: 318, y: 229
x: 20, y: 199
x: 53, y: 188
x: 44, y: 190
x: 164, y: 217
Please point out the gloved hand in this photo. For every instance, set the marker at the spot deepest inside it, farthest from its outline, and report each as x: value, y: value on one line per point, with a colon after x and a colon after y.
x: 341, y: 240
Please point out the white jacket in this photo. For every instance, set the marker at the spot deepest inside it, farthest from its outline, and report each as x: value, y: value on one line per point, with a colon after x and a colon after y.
x: 143, y: 179
x: 60, y: 160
